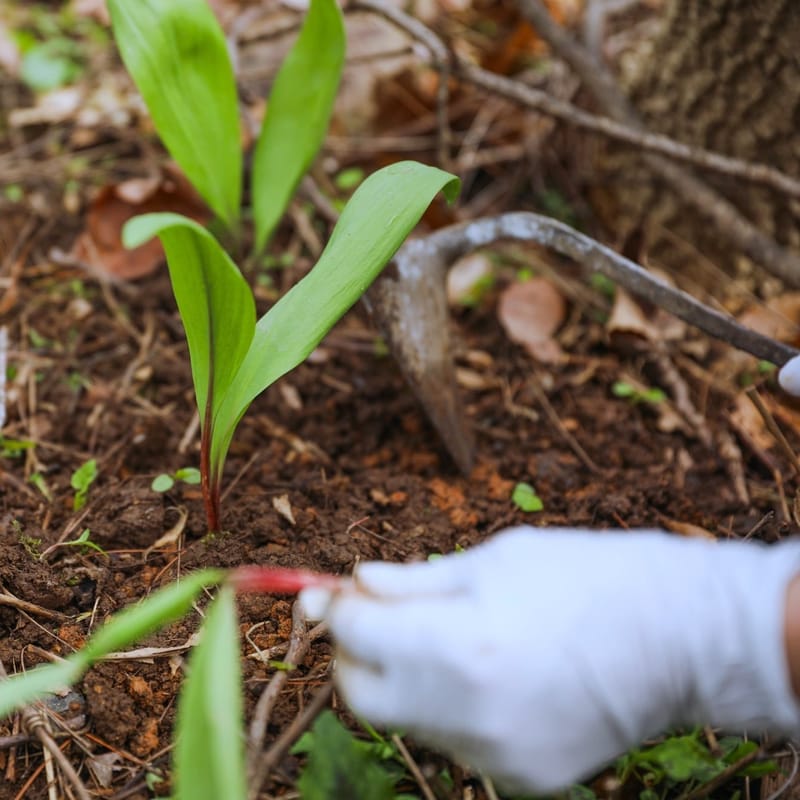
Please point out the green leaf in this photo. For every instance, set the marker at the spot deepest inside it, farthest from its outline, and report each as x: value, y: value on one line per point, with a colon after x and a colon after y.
x: 162, y: 483
x: 81, y: 480
x: 622, y: 389
x: 525, y: 498
x: 19, y: 690
x: 297, y: 115
x: 176, y: 54
x: 156, y: 612
x: 189, y: 475
x: 209, y: 752
x: 214, y: 300
x: 339, y: 766
x: 122, y: 630
x: 683, y: 758
x: 375, y: 222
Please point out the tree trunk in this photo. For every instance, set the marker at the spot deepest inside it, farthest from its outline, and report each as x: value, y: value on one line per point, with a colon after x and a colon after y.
x: 724, y: 75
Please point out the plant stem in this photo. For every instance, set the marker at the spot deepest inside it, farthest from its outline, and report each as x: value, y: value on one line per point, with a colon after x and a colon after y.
x: 209, y: 483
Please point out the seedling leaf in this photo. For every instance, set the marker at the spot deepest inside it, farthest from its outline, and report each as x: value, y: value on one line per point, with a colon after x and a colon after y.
x: 176, y: 54
x: 209, y: 752
x: 373, y: 225
x: 297, y: 115
x: 189, y: 475
x: 525, y: 498
x: 162, y: 483
x: 81, y: 480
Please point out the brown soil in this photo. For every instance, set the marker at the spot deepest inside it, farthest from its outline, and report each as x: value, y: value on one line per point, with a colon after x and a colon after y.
x: 363, y: 472
x: 102, y: 371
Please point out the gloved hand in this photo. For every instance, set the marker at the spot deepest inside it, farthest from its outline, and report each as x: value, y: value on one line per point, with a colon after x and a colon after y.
x: 542, y: 654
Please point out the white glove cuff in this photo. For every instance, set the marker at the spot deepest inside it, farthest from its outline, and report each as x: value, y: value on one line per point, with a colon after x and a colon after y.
x: 740, y: 662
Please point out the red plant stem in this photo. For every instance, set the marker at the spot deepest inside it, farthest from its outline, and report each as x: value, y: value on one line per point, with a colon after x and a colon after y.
x: 209, y: 483
x: 279, y: 580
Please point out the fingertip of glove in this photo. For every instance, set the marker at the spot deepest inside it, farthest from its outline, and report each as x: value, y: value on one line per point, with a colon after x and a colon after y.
x: 315, y: 602
x: 789, y: 376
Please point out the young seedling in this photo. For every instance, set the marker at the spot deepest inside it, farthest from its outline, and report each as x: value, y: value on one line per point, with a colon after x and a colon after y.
x: 635, y: 395
x: 165, y: 481
x: 177, y: 55
x: 81, y: 480
x: 233, y: 358
x: 525, y: 498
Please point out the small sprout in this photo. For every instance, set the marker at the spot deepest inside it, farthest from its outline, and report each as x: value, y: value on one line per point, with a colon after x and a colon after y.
x: 525, y: 498
x: 37, y: 479
x: 81, y: 480
x: 85, y: 543
x: 12, y: 448
x: 165, y: 481
x: 630, y: 392
x: 349, y: 178
x: 766, y: 367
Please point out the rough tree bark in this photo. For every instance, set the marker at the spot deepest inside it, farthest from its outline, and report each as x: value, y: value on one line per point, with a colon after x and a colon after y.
x: 724, y: 75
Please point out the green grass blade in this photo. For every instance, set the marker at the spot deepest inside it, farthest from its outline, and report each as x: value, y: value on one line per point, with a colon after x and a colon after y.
x: 297, y: 115
x: 19, y: 690
x: 374, y: 224
x: 209, y: 752
x: 122, y: 630
x: 214, y: 300
x: 176, y: 53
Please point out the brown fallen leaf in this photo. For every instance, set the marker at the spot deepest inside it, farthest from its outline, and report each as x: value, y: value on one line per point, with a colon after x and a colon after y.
x: 628, y: 317
x: 531, y: 312
x: 100, y: 244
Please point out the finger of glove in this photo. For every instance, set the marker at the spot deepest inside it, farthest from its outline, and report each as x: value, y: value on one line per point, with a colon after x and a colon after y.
x: 789, y: 376
x: 386, y: 634
x: 315, y: 602
x: 444, y: 576
x: 366, y: 689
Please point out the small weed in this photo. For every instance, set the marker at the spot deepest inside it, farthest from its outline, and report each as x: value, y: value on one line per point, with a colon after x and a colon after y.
x: 629, y: 392
x: 525, y: 498
x: 85, y: 543
x: 13, y: 448
x: 37, y: 479
x: 81, y: 480
x: 32, y: 544
x: 165, y: 481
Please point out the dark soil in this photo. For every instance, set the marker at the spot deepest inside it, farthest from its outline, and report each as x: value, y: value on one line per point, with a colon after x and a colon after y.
x: 364, y: 474
x: 101, y: 371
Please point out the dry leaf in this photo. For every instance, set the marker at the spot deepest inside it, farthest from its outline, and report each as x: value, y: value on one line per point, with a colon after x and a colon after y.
x: 465, y: 278
x: 531, y: 312
x: 746, y: 417
x: 100, y: 245
x: 282, y: 505
x: 778, y: 319
x: 627, y: 316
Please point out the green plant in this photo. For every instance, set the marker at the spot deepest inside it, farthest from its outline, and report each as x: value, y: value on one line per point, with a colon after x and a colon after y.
x: 233, y: 358
x: 81, y: 480
x: 84, y: 543
x: 165, y: 481
x: 178, y: 58
x: 525, y: 498
x: 635, y: 395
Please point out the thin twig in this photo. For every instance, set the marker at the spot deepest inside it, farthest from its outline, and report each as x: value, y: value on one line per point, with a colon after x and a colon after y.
x: 792, y: 775
x: 772, y: 427
x: 270, y: 759
x: 298, y: 646
x: 413, y: 768
x: 566, y: 112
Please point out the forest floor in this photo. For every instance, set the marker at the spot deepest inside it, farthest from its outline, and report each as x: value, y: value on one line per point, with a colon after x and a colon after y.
x: 335, y: 464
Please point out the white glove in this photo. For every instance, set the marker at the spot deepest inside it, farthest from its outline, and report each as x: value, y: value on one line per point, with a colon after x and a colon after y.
x: 789, y: 376
x: 542, y: 654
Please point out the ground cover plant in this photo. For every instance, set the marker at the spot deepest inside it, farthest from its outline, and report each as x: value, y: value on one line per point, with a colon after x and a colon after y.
x: 334, y: 463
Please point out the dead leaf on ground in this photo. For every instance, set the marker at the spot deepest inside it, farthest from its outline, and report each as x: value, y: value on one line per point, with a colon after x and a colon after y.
x: 531, y: 312
x: 628, y: 317
x: 746, y: 418
x: 779, y: 318
x: 100, y: 245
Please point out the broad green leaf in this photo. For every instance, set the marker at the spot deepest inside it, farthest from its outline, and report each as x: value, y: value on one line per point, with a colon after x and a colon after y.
x: 176, y: 54
x: 297, y: 115
x: 340, y: 766
x: 214, y: 300
x: 209, y: 751
x: 373, y: 225
x: 157, y: 611
x: 525, y: 498
x: 122, y: 630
